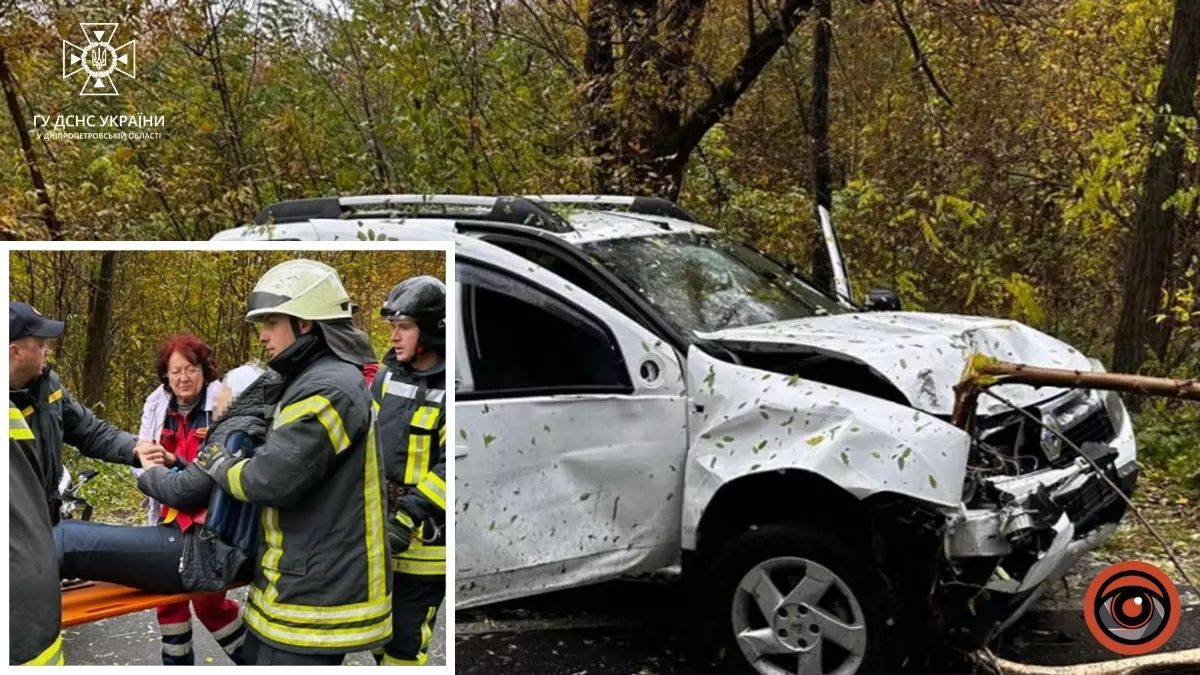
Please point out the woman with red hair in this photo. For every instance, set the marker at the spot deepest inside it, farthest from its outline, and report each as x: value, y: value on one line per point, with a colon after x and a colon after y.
x: 177, y: 415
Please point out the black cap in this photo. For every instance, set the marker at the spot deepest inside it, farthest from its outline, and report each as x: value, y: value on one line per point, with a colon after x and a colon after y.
x: 25, y: 321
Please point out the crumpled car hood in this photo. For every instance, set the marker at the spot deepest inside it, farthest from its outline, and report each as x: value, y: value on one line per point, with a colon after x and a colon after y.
x: 923, y: 354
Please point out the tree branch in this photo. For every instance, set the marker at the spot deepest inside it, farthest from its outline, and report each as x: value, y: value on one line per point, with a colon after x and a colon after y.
x: 919, y: 55
x: 761, y: 48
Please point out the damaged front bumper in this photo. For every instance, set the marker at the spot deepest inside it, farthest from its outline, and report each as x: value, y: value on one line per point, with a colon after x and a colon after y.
x: 1022, y: 532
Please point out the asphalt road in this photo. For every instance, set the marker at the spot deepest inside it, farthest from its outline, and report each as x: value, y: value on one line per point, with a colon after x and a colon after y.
x: 133, y: 639
x: 637, y: 627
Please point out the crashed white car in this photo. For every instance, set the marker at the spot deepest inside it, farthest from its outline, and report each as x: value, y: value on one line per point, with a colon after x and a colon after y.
x: 636, y: 392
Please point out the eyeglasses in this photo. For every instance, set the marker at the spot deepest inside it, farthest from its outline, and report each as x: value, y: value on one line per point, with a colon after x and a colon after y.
x: 190, y: 371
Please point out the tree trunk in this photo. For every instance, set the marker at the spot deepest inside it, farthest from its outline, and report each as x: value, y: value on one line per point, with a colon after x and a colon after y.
x: 95, y: 366
x: 1153, y: 226
x: 649, y: 154
x: 35, y: 173
x: 600, y: 66
x: 822, y: 174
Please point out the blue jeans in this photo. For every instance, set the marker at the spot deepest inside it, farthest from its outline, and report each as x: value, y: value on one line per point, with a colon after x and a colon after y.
x: 142, y: 557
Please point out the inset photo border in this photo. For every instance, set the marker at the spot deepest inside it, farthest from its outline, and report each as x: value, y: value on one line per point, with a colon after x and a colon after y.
x: 198, y: 434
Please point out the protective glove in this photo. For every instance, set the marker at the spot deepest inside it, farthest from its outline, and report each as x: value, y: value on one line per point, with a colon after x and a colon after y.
x: 213, y: 458
x: 400, y: 529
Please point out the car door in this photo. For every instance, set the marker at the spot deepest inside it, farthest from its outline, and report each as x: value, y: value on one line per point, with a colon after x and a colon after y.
x: 571, y: 432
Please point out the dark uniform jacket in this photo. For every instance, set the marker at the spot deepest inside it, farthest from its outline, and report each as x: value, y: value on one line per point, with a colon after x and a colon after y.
x: 56, y: 418
x: 412, y: 432
x: 34, y: 599
x: 321, y: 583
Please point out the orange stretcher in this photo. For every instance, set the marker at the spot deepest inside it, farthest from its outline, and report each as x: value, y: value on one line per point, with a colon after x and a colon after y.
x: 96, y: 600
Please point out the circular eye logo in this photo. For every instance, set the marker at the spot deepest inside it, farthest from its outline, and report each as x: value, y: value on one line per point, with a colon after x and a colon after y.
x: 1131, y: 608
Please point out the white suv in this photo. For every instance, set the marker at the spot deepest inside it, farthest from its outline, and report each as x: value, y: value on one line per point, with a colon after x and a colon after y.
x: 635, y: 392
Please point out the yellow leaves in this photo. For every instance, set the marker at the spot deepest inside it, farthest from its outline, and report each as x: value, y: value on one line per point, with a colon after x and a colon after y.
x: 1024, y: 299
x: 974, y: 365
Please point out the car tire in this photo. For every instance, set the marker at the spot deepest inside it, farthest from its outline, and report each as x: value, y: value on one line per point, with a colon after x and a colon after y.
x: 833, y: 606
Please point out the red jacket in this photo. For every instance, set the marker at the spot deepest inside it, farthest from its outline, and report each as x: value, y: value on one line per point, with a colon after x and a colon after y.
x: 184, y: 442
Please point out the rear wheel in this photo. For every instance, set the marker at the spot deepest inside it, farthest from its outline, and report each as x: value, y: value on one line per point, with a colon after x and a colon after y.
x: 792, y: 599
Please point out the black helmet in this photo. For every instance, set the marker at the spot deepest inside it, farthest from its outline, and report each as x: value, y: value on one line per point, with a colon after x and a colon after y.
x: 423, y: 300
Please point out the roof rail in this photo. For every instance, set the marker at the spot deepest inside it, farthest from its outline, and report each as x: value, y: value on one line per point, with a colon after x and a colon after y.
x: 649, y: 206
x: 516, y: 210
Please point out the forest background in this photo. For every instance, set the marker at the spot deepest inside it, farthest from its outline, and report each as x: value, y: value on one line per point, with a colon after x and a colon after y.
x: 1032, y: 160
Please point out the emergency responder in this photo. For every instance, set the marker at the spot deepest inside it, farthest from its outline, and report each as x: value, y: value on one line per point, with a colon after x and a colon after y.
x: 34, y: 598
x: 410, y: 396
x: 321, y: 587
x: 50, y: 411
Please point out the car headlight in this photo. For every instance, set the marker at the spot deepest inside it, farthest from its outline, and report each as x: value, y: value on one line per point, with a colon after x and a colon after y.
x: 1051, y: 441
x: 1116, y: 409
x: 1112, y: 399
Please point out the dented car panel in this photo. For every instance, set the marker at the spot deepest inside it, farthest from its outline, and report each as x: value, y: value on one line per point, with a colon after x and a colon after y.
x: 558, y: 490
x: 923, y: 355
x: 747, y: 421
x: 565, y: 490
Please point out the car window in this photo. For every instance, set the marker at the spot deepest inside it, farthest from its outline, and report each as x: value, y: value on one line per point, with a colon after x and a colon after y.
x: 522, y: 341
x: 702, y: 283
x: 544, y: 258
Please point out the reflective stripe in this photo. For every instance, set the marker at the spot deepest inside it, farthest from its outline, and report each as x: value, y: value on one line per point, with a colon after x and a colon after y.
x: 50, y: 656
x: 55, y: 396
x: 232, y: 647
x: 427, y: 634
x: 433, y: 487
x: 175, y: 628
x: 326, y: 414
x: 18, y: 429
x: 427, y: 553
x: 177, y: 650
x: 171, y: 515
x: 426, y: 417
x: 28, y: 411
x: 324, y: 616
x: 374, y: 514
x: 322, y: 637
x: 229, y: 628
x: 234, y: 477
x: 390, y: 661
x: 409, y: 391
x: 418, y: 458
x: 401, y: 389
x: 419, y: 567
x: 273, y: 537
x: 442, y: 436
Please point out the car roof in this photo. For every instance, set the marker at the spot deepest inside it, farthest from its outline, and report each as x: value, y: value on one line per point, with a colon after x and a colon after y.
x: 593, y: 226
x: 588, y: 226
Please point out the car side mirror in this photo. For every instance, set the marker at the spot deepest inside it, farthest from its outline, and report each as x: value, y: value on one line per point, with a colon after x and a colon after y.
x: 882, y: 300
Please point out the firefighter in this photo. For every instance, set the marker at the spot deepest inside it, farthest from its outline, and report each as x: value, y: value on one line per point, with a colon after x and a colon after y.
x: 34, y: 598
x: 50, y: 411
x: 321, y: 587
x: 410, y: 397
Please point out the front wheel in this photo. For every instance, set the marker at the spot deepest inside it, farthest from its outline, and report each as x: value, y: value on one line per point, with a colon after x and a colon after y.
x: 792, y: 599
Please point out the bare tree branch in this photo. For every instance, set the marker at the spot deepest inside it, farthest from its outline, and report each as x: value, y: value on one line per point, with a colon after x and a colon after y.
x: 919, y: 55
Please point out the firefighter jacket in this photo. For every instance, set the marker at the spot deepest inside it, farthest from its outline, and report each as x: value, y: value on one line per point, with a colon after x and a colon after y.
x: 412, y: 432
x: 321, y: 583
x: 57, y: 418
x: 34, y: 602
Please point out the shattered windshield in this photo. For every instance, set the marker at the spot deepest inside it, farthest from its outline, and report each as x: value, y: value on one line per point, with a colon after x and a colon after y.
x: 703, y: 283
